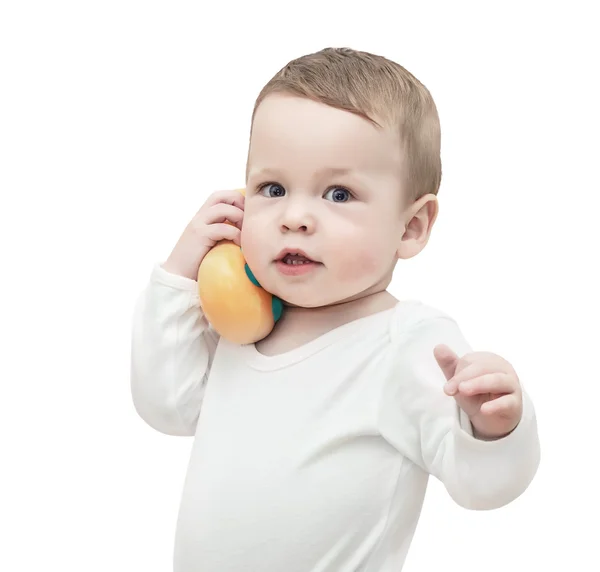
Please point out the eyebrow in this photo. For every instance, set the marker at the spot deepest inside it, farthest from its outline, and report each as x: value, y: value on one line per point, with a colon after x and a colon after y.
x: 331, y: 171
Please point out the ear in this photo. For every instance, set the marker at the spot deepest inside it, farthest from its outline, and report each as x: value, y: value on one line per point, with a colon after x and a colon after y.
x: 419, y: 219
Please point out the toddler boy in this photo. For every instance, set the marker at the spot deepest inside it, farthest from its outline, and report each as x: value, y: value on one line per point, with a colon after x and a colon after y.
x: 313, y: 447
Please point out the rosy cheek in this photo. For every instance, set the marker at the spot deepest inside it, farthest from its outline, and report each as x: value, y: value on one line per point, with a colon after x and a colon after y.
x: 249, y: 243
x: 358, y: 264
x: 249, y: 225
x: 252, y: 242
x: 246, y: 238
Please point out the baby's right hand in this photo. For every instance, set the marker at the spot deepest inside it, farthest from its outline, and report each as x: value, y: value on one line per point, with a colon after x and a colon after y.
x: 206, y: 229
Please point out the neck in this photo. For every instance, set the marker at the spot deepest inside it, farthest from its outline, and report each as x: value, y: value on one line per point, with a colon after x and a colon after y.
x: 315, y: 321
x: 298, y: 326
x: 352, y: 308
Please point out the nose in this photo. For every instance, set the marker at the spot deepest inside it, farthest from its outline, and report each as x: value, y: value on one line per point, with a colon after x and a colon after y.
x: 297, y: 217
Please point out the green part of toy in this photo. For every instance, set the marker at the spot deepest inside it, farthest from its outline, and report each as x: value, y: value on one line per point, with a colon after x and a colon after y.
x: 276, y: 303
x: 250, y: 275
x: 277, y: 306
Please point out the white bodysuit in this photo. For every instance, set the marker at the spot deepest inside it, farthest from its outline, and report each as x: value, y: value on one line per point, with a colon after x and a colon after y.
x: 316, y: 459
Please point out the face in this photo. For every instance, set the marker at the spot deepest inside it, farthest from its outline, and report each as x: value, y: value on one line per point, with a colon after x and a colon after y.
x: 323, y: 209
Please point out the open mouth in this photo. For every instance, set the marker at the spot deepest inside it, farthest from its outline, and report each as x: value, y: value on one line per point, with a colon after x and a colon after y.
x: 293, y: 262
x: 295, y: 259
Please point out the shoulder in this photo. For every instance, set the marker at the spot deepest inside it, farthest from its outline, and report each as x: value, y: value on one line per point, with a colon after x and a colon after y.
x: 422, y: 326
x: 411, y: 316
x: 414, y: 379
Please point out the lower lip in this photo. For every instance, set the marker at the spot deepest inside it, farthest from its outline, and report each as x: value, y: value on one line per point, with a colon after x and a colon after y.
x: 295, y: 269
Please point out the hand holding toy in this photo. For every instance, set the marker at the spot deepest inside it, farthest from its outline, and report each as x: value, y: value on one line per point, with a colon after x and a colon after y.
x: 231, y: 298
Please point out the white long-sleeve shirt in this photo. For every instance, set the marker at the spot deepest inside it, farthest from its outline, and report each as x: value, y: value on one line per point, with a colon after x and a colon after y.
x: 316, y: 459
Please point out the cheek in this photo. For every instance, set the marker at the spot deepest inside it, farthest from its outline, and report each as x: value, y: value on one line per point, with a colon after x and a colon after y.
x: 247, y: 237
x: 359, y: 264
x: 252, y: 242
x: 365, y: 256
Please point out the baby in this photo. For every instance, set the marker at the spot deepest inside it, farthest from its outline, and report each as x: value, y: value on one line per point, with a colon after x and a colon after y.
x: 313, y: 447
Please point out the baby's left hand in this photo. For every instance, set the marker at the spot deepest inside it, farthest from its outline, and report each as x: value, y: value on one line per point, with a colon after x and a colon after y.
x: 486, y: 388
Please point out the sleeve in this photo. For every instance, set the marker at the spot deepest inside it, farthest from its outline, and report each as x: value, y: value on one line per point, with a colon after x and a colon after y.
x: 429, y: 428
x: 172, y: 348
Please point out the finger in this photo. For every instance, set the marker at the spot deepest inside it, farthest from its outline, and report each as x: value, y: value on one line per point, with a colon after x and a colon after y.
x: 223, y: 212
x: 468, y: 372
x: 498, y: 382
x: 505, y: 406
x: 473, y: 370
x: 446, y: 359
x: 229, y: 197
x: 223, y: 231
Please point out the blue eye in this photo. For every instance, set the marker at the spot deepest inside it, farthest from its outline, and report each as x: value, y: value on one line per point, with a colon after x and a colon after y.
x: 272, y: 190
x: 338, y: 195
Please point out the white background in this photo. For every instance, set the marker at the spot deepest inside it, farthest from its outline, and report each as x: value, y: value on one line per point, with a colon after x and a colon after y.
x: 118, y: 118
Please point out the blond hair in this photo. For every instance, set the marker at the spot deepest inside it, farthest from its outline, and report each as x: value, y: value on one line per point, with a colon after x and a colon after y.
x: 375, y: 88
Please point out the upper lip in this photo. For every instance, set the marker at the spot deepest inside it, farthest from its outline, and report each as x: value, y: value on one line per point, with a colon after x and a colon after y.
x: 287, y: 251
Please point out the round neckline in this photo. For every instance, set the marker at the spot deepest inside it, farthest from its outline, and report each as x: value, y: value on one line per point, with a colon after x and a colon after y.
x: 264, y: 362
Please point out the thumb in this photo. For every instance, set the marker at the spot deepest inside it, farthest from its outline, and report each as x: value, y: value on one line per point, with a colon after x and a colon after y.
x: 446, y: 359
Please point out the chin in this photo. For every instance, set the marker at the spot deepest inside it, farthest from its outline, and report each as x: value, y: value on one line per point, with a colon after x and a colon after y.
x: 308, y: 300
x: 302, y: 302
x: 301, y: 299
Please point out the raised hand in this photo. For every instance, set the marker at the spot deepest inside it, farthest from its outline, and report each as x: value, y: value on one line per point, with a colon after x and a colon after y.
x: 219, y: 218
x: 486, y: 388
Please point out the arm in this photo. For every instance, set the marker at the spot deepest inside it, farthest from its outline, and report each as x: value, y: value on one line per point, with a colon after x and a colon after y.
x: 171, y: 353
x: 428, y: 427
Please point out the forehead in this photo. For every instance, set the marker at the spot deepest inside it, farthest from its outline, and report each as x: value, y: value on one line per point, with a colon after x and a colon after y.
x: 293, y: 130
